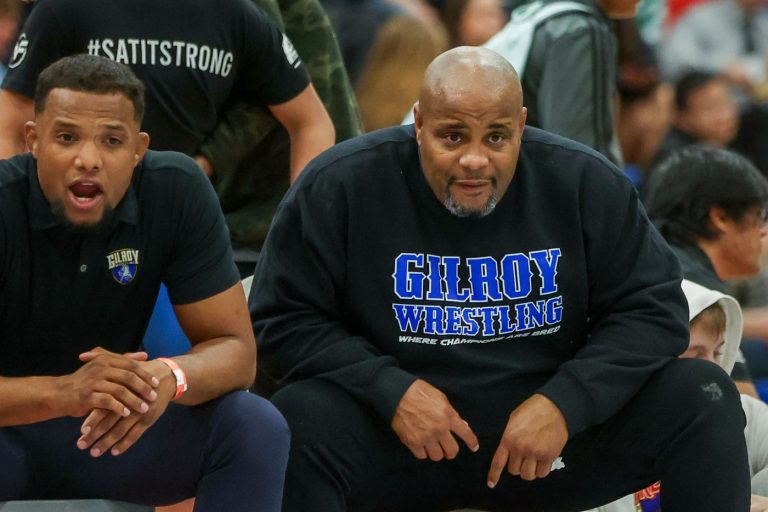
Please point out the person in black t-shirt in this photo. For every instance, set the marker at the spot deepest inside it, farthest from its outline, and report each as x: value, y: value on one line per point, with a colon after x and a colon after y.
x: 469, y: 312
x: 91, y: 223
x: 194, y: 56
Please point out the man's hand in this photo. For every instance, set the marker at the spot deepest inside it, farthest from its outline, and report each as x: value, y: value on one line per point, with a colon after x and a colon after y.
x: 103, y: 430
x: 425, y: 420
x: 118, y: 383
x: 534, y: 437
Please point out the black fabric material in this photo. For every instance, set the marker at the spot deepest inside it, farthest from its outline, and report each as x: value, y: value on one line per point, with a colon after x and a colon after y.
x: 192, y: 55
x: 684, y: 427
x: 591, y: 303
x: 59, y: 295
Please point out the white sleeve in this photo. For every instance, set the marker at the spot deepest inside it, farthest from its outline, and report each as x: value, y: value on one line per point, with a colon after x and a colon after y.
x: 756, y: 433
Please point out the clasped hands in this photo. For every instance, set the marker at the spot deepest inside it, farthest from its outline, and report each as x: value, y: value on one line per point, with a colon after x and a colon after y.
x: 534, y: 436
x: 121, y: 394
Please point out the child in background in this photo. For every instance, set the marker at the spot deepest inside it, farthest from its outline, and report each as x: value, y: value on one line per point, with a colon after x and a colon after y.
x: 716, y: 325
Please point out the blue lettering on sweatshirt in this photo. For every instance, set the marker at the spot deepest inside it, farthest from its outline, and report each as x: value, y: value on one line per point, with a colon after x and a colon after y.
x: 494, y: 291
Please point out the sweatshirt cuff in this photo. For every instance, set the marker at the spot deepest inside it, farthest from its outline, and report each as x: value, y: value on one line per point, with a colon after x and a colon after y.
x: 390, y: 385
x: 574, y: 403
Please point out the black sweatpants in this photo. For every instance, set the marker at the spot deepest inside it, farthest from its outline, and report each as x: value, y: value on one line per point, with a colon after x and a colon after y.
x: 685, y: 427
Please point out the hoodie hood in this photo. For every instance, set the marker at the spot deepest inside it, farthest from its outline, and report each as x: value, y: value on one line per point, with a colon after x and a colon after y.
x: 700, y: 298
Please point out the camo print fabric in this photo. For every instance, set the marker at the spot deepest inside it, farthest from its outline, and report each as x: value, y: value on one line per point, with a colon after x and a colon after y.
x: 249, y: 150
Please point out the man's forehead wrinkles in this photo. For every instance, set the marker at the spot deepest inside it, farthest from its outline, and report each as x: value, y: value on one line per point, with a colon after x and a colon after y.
x: 66, y: 121
x: 494, y: 124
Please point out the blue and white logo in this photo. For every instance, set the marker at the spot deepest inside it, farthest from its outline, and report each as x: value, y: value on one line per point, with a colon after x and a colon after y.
x: 455, y: 300
x: 123, y: 264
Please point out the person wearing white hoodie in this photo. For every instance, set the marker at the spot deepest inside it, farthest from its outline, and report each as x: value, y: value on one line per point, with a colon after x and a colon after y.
x: 716, y: 327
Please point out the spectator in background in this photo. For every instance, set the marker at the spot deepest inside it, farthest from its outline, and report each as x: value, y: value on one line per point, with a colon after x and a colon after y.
x: 570, y: 77
x: 253, y: 149
x: 709, y: 203
x: 472, y: 22
x: 395, y: 68
x: 169, y: 57
x: 728, y: 37
x: 10, y: 16
x: 357, y: 22
x: 645, y: 102
x: 644, y: 117
x: 750, y: 141
x: 705, y: 111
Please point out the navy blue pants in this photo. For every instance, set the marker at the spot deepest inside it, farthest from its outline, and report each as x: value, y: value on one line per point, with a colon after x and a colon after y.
x: 685, y: 428
x: 231, y: 453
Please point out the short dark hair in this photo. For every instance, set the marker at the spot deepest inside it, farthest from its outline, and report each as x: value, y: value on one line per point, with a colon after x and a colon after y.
x: 93, y: 74
x: 691, y: 181
x: 689, y: 83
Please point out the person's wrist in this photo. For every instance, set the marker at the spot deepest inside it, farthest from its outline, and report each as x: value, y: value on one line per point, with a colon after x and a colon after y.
x: 180, y: 378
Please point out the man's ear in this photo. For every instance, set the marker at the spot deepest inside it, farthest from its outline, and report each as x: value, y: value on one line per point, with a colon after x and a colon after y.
x: 418, y: 121
x: 30, y: 137
x: 142, y: 144
x: 719, y: 220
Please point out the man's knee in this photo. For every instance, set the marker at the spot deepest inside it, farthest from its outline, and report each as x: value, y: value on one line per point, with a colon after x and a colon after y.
x: 250, y: 418
x: 691, y: 387
x: 16, y: 473
x: 315, y: 408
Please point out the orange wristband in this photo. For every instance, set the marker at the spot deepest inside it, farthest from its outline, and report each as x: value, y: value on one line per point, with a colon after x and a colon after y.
x: 178, y: 373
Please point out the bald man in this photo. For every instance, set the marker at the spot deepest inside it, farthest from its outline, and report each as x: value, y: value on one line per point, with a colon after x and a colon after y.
x: 467, y: 312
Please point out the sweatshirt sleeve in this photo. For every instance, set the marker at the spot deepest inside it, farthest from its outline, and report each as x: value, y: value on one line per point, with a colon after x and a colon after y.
x: 296, y: 302
x: 638, y: 316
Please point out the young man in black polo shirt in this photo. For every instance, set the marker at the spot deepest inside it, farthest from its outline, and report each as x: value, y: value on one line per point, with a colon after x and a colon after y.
x: 91, y: 223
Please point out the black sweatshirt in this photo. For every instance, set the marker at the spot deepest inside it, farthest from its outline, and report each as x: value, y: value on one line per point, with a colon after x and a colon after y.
x: 565, y: 289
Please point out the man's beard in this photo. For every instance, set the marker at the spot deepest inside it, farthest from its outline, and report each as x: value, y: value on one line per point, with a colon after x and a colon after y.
x: 462, y: 211
x: 57, y: 208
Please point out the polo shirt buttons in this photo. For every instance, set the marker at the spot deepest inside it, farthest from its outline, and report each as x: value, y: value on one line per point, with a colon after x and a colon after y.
x: 83, y: 267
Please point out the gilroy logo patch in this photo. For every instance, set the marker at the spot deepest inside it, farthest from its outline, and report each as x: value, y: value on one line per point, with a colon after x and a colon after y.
x: 123, y: 263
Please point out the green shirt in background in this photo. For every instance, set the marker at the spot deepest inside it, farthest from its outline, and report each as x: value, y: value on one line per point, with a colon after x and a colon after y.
x: 249, y: 150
